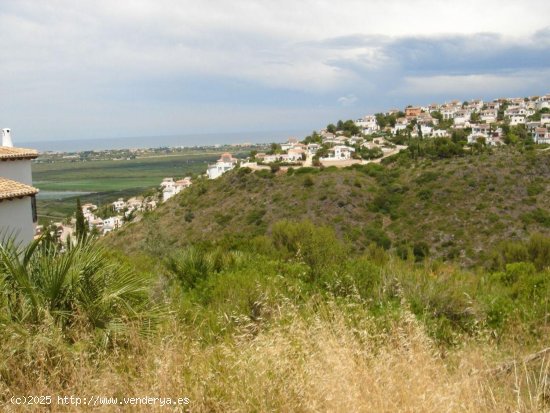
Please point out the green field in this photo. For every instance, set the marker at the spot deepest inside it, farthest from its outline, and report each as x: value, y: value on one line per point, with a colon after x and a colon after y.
x: 96, y: 176
x: 111, y: 179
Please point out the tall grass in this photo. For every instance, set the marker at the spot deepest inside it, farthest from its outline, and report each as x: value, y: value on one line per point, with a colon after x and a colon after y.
x: 288, y: 322
x: 310, y: 361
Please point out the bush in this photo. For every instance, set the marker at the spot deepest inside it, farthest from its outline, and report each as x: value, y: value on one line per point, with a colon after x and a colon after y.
x: 517, y: 270
x: 189, y: 216
x: 317, y: 246
x: 420, y: 250
x: 308, y: 181
x: 255, y: 216
x: 377, y: 236
x: 81, y: 286
x: 539, y: 216
x: 244, y: 171
x: 305, y: 170
x: 539, y: 250
x: 536, y: 250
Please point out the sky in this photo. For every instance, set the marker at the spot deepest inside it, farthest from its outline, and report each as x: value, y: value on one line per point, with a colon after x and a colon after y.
x: 99, y: 69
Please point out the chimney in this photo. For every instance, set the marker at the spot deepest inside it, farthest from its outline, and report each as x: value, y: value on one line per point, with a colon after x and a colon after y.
x: 6, y: 137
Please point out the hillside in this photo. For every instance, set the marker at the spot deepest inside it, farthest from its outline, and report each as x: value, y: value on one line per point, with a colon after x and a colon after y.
x: 289, y: 319
x: 457, y: 208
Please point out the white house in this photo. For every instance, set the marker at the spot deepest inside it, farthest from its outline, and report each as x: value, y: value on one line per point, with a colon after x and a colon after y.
x: 517, y: 120
x: 17, y: 195
x: 440, y: 133
x: 489, y: 115
x: 542, y: 135
x: 426, y: 119
x: 545, y: 118
x: 448, y: 114
x: 400, y: 124
x: 312, y: 148
x: 481, y: 129
x: 222, y: 165
x: 111, y: 224
x: 172, y: 188
x: 462, y: 117
x: 295, y: 155
x: 290, y: 144
x: 119, y: 205
x: 543, y: 102
x: 532, y: 126
x: 475, y: 104
x: 368, y: 124
x: 339, y: 153
x: 426, y: 130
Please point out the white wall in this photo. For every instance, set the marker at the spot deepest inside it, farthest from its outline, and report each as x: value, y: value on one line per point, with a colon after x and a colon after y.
x: 16, y: 219
x: 18, y: 170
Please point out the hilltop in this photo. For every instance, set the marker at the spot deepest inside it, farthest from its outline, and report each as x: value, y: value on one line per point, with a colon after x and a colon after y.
x: 456, y: 208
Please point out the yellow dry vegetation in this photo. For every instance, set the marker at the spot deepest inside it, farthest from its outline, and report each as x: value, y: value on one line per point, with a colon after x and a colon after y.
x: 321, y: 360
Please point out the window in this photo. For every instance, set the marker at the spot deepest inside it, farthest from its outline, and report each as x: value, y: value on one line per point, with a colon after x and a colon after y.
x: 33, y: 206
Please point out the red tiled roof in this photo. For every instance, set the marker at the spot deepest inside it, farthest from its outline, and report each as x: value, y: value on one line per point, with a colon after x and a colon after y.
x: 12, y: 189
x: 7, y: 152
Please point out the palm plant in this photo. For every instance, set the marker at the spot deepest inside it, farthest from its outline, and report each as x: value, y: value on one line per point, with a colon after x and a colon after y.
x: 80, y: 286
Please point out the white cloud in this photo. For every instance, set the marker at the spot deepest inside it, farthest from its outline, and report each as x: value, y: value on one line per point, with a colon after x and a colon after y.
x: 348, y: 100
x: 498, y: 85
x: 65, y: 57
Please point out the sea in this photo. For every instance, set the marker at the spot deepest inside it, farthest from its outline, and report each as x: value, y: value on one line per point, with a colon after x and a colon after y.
x: 173, y: 141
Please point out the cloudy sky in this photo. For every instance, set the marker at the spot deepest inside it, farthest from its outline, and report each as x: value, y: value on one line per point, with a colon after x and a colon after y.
x: 97, y: 69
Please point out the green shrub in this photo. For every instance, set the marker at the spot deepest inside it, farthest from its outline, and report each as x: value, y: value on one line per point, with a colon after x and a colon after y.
x: 189, y: 266
x: 378, y: 236
x: 516, y: 271
x: 317, y: 246
x: 255, y: 216
x: 82, y: 286
x: 308, y: 182
x: 539, y: 216
x: 425, y: 194
x: 244, y: 171
x: 426, y: 177
x: 189, y: 216
x: 306, y: 170
x: 535, y: 188
x: 421, y: 250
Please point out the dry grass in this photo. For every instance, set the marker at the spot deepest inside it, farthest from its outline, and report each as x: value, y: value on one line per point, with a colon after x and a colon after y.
x: 318, y: 362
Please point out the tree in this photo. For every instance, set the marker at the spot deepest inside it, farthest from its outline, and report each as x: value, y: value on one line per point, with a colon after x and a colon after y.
x: 275, y: 148
x: 437, y: 115
x: 81, y: 229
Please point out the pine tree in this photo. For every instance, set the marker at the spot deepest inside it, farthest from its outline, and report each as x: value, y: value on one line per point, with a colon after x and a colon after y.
x: 80, y: 228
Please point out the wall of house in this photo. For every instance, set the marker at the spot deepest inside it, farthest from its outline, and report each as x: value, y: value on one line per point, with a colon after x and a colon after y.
x: 16, y: 219
x: 18, y: 170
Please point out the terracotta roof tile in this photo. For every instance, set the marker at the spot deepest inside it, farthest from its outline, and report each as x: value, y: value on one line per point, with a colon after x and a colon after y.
x: 17, y: 153
x: 12, y: 189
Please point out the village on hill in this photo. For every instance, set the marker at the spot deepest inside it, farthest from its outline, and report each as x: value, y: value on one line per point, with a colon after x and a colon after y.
x: 472, y: 124
x: 475, y: 123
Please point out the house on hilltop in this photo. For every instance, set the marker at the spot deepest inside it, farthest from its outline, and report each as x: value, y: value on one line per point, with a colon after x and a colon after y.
x: 171, y: 188
x: 339, y: 153
x: 412, y: 112
x: 17, y: 195
x: 222, y: 165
